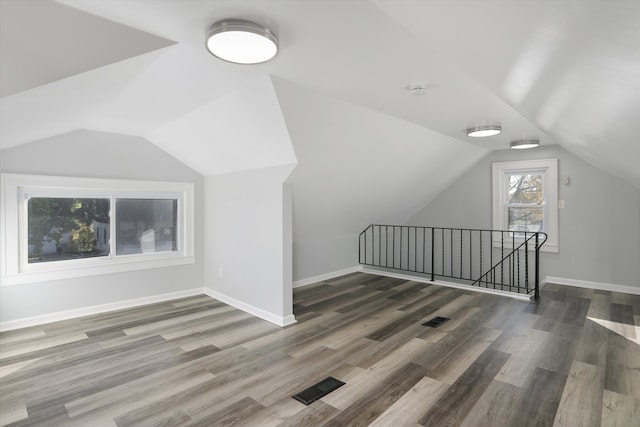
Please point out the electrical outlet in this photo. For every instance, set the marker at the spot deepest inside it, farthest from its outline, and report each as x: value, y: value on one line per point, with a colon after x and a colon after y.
x: 220, y: 272
x: 560, y: 205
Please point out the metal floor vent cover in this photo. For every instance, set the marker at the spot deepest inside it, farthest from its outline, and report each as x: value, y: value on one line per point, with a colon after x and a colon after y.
x: 318, y: 390
x: 435, y: 322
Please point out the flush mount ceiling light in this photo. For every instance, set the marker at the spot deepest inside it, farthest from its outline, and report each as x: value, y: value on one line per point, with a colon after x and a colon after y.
x: 482, y: 131
x: 523, y: 144
x: 241, y: 42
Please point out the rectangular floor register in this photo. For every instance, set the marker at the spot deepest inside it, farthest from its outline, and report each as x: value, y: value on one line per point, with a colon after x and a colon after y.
x: 318, y: 390
x: 435, y: 322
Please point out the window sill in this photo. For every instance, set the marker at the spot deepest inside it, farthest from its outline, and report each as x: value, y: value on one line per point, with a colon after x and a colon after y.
x: 94, y: 270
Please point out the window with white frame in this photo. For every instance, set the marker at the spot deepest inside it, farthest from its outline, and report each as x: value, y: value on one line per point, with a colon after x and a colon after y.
x: 525, y: 199
x: 59, y: 227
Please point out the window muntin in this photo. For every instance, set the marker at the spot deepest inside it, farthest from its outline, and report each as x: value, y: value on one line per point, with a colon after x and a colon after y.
x: 173, y: 227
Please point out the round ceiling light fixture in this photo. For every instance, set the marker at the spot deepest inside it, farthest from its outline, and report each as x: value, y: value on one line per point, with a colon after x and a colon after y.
x: 523, y: 144
x: 241, y: 42
x: 483, y: 131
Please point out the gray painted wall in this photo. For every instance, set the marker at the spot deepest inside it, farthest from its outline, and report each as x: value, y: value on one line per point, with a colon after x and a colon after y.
x: 94, y: 154
x: 599, y: 228
x: 321, y: 255
x: 248, y: 240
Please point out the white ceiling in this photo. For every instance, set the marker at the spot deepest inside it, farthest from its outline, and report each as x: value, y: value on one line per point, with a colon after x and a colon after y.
x: 358, y: 166
x: 571, y: 68
x: 567, y: 72
x: 41, y: 42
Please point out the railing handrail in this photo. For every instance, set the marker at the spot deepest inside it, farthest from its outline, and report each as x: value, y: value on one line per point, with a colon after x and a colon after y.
x: 455, y: 228
x: 461, y: 244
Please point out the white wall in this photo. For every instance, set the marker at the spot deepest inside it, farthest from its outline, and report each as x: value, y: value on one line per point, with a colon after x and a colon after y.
x: 357, y: 166
x: 93, y: 154
x: 248, y: 241
x: 599, y: 228
x: 319, y: 255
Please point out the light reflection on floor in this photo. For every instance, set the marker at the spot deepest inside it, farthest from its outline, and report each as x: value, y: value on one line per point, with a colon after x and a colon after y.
x: 630, y: 332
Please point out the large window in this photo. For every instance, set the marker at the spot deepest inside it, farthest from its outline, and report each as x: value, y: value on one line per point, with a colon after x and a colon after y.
x: 55, y: 227
x: 525, y: 199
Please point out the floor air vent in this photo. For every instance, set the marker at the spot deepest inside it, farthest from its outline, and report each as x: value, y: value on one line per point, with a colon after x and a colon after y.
x: 435, y: 322
x: 318, y: 390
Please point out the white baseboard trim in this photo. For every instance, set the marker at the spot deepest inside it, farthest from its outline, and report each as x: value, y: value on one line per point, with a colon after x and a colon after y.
x: 593, y: 285
x: 95, y: 309
x: 326, y: 276
x: 520, y: 297
x: 251, y: 309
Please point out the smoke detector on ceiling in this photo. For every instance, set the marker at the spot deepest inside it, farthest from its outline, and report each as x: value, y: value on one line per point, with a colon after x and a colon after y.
x: 417, y: 89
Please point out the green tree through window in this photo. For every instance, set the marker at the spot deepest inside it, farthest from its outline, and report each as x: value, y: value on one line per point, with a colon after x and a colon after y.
x: 62, y: 228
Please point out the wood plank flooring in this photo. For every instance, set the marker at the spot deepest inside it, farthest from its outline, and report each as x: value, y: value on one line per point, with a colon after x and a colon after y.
x: 573, y: 359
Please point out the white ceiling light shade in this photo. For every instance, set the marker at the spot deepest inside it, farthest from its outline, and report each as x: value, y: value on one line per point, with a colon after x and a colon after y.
x: 241, y: 42
x: 523, y: 144
x: 483, y: 131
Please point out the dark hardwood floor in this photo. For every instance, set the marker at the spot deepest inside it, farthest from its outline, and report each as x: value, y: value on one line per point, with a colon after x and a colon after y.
x: 573, y: 359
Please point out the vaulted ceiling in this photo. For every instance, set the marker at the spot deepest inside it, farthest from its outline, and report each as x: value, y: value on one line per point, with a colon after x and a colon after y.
x: 566, y: 72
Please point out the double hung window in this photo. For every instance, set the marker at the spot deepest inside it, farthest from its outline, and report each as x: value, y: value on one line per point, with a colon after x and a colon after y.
x: 525, y: 200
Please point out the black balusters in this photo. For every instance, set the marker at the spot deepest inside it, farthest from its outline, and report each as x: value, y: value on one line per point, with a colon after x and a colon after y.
x: 513, y: 247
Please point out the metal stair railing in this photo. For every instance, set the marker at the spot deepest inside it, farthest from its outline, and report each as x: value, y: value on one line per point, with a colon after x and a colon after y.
x: 496, y: 259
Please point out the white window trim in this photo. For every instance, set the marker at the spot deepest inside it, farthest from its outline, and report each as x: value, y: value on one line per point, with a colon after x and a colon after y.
x: 14, y: 269
x: 498, y: 173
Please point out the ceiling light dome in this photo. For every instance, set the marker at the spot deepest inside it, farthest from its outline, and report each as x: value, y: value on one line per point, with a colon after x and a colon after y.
x: 483, y: 131
x: 241, y: 42
x: 523, y: 144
